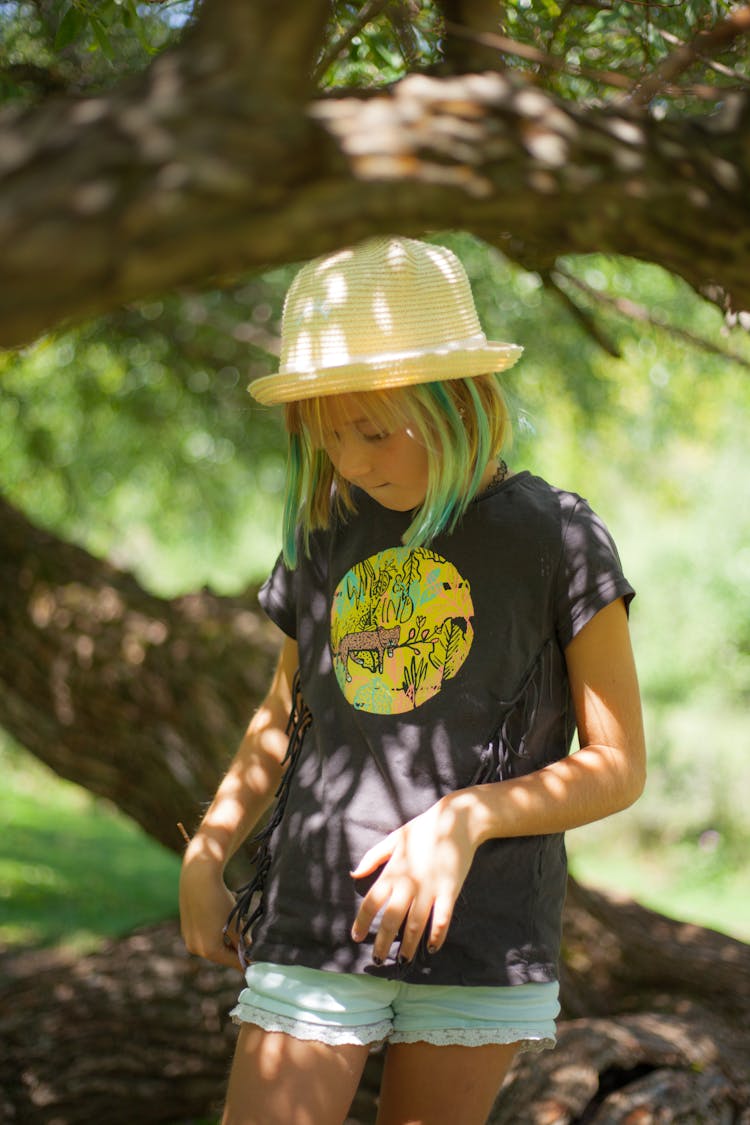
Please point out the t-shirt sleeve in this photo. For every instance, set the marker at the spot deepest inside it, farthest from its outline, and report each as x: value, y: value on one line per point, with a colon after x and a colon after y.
x: 278, y: 598
x: 590, y: 574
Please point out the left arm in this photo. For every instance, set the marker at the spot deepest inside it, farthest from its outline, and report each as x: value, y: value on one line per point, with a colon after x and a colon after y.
x: 428, y: 859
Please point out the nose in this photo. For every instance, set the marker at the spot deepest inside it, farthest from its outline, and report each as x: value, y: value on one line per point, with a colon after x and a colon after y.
x: 353, y: 459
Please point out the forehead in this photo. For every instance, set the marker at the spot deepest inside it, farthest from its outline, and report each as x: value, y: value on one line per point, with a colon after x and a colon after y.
x: 383, y: 409
x: 345, y: 409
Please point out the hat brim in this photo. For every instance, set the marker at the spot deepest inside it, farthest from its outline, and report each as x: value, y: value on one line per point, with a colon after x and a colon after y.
x: 385, y: 372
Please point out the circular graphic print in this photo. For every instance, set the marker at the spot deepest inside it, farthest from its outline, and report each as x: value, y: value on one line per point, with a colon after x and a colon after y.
x: 401, y: 625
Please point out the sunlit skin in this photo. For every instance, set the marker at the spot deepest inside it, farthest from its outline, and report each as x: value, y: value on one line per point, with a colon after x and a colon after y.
x: 390, y: 467
x: 425, y: 861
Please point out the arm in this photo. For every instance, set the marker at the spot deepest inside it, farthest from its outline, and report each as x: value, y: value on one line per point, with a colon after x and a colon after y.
x: 429, y: 858
x: 241, y: 799
x: 608, y: 772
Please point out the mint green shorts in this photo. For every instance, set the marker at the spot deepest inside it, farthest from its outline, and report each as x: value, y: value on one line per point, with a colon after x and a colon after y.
x: 338, y: 1008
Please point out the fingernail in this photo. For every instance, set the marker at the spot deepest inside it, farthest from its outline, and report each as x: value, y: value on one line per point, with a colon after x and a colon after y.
x: 377, y: 960
x: 432, y: 949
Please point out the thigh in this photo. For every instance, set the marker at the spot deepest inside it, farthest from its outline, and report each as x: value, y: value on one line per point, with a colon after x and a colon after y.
x: 277, y: 1079
x: 424, y: 1084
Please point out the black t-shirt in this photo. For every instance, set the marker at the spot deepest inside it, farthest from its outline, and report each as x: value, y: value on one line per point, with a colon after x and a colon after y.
x: 428, y: 670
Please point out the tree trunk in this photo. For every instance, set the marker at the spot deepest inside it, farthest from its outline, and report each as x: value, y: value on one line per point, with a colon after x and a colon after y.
x: 218, y: 160
x: 140, y: 699
x: 655, y: 1029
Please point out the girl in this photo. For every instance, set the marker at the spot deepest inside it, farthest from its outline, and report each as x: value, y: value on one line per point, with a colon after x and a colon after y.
x: 446, y: 625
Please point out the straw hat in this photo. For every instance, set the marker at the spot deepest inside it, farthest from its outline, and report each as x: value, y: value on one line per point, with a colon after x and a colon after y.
x: 384, y: 313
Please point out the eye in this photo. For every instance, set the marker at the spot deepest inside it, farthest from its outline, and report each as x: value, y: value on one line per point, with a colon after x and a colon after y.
x: 374, y: 435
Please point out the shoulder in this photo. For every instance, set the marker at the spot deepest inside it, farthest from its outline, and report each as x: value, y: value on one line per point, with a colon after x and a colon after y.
x: 532, y: 514
x: 532, y: 501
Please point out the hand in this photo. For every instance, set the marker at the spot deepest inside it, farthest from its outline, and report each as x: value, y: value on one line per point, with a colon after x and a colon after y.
x: 205, y: 903
x: 426, y: 863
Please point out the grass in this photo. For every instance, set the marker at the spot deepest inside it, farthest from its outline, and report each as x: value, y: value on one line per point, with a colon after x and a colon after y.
x: 682, y: 848
x: 702, y: 879
x: 73, y: 870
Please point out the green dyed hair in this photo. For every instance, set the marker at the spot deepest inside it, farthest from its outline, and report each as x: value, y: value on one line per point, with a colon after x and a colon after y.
x: 462, y: 423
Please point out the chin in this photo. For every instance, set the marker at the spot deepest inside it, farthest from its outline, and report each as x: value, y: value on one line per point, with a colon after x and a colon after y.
x: 393, y: 504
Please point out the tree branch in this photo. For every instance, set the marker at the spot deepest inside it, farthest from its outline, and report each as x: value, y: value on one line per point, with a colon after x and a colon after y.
x: 533, y: 54
x: 705, y: 44
x: 263, y: 46
x: 633, y: 311
x: 726, y: 71
x: 584, y: 318
x: 187, y: 175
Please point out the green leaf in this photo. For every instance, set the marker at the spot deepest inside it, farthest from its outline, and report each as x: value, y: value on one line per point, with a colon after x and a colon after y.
x: 102, y: 37
x: 133, y: 22
x: 70, y: 27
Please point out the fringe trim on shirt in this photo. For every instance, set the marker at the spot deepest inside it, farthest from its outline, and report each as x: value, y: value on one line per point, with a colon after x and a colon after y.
x: 519, y: 714
x: 250, y: 905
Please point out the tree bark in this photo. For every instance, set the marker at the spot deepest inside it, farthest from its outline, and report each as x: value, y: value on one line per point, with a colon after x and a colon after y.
x: 140, y: 1031
x: 218, y: 160
x: 140, y: 699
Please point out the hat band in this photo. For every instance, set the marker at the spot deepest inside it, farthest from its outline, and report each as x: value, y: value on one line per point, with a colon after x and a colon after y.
x: 380, y: 359
x: 385, y: 373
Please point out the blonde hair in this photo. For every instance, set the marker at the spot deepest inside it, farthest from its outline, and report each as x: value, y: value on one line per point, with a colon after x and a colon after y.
x: 462, y: 423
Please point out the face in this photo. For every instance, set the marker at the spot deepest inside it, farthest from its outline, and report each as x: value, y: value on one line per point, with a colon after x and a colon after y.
x: 391, y: 467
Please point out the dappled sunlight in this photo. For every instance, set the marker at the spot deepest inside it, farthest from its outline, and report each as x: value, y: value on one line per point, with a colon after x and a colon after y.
x: 83, y: 616
x: 381, y: 312
x: 375, y: 319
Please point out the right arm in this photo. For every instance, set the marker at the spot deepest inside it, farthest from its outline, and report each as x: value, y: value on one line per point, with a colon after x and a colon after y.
x: 241, y: 799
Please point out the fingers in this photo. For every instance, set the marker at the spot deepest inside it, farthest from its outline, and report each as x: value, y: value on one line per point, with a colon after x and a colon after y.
x: 408, y: 914
x: 416, y: 925
x: 423, y: 867
x: 371, y: 904
x: 430, y: 919
x: 390, y: 925
x: 375, y: 857
x: 442, y: 914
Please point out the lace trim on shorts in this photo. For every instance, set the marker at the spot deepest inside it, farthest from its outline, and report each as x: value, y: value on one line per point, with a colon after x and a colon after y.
x: 363, y: 1036
x: 475, y: 1037
x: 371, y: 1033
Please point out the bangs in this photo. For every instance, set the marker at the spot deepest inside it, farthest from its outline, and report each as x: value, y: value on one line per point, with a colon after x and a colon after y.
x: 316, y: 418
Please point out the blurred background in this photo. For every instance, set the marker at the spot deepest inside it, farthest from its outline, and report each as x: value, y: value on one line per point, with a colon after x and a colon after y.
x: 134, y: 436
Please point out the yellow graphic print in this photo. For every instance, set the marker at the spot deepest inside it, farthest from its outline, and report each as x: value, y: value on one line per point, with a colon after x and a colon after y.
x: 401, y: 625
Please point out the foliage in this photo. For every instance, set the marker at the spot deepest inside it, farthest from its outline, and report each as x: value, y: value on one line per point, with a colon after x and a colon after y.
x: 385, y: 49
x: 595, y: 44
x: 136, y: 436
x: 108, y: 24
x: 80, y: 45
